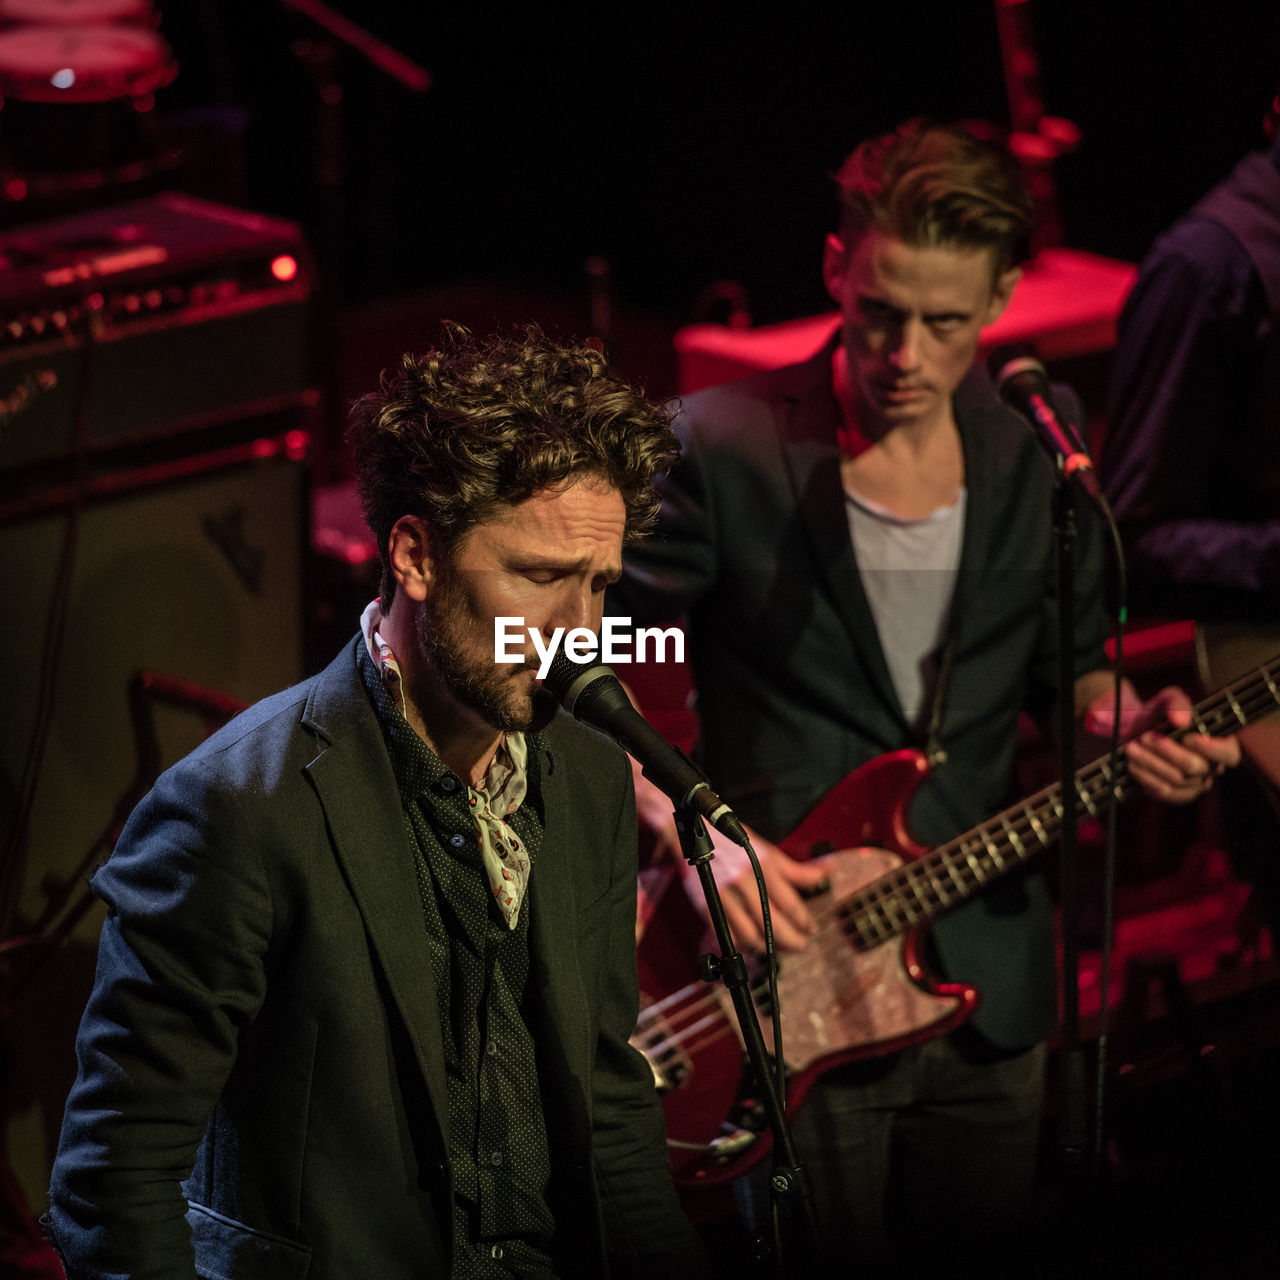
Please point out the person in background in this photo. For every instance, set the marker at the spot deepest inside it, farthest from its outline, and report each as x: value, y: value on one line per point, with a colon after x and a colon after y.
x: 861, y: 548
x: 1191, y: 461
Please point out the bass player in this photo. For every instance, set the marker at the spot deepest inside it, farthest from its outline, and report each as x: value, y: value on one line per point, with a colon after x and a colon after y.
x: 861, y: 548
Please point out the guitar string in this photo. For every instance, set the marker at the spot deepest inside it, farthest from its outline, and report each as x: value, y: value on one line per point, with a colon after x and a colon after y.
x: 915, y: 878
x: 1251, y: 696
x: 673, y: 1044
x: 874, y: 915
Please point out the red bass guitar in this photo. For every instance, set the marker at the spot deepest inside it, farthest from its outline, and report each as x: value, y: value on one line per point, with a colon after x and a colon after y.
x: 857, y: 989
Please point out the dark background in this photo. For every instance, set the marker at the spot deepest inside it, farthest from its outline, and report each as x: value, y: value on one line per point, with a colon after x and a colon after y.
x: 690, y: 144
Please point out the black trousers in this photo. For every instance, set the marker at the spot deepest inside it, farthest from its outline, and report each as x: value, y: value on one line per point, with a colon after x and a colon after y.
x: 920, y: 1158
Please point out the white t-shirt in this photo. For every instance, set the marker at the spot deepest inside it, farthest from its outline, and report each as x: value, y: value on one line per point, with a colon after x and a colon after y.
x: 908, y: 570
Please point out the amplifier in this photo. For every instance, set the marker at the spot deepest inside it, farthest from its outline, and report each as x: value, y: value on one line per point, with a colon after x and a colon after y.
x: 195, y: 573
x: 156, y: 395
x: 166, y: 317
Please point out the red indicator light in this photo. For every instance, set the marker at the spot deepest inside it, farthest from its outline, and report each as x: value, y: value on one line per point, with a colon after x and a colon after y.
x: 285, y: 267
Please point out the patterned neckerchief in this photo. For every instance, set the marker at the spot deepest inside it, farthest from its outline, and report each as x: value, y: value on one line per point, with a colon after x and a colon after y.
x: 506, y: 860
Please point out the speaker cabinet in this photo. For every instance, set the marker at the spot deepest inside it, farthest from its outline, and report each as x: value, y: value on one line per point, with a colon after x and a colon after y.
x: 195, y: 571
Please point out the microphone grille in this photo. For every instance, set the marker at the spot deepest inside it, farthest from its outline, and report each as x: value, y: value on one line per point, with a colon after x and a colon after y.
x: 567, y: 679
x: 1007, y: 361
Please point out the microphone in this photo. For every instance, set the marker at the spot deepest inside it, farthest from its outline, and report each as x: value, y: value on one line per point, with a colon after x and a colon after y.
x: 1022, y: 382
x: 591, y: 693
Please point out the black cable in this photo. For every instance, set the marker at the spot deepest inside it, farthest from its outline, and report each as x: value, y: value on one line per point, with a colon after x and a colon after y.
x: 14, y: 860
x: 775, y: 1012
x: 1109, y: 858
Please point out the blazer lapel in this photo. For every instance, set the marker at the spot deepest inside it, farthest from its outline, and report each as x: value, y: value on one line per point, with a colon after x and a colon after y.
x: 553, y: 931
x: 972, y: 398
x: 809, y: 414
x: 353, y: 778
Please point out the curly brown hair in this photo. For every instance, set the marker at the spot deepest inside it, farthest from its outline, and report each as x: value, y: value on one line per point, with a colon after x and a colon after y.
x: 479, y: 424
x: 936, y: 186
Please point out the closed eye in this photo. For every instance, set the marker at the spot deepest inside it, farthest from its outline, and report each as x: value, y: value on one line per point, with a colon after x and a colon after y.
x: 547, y: 577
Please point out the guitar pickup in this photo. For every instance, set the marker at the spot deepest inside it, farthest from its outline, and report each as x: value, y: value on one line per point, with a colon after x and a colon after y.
x: 657, y: 1040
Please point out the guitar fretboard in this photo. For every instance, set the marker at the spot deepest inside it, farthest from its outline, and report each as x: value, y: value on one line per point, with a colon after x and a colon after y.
x: 950, y: 874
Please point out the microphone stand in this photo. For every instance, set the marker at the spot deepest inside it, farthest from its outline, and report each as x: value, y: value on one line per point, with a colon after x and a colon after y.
x: 1073, y: 1135
x: 318, y: 55
x: 789, y: 1181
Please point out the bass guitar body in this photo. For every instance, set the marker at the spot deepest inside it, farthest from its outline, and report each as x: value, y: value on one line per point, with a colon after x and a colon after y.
x: 841, y: 999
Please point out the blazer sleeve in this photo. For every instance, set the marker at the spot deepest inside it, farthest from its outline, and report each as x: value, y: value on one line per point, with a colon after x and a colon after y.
x: 181, y: 969
x: 646, y: 1231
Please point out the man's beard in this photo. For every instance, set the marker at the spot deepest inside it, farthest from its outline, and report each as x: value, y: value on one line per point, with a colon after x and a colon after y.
x: 478, y: 683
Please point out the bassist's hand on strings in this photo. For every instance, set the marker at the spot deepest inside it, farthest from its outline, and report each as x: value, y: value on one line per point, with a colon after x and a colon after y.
x: 1175, y: 770
x: 787, y: 880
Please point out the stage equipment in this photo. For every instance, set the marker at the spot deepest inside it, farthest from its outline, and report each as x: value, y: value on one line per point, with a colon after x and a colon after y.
x: 78, y: 100
x: 155, y: 403
x: 173, y: 317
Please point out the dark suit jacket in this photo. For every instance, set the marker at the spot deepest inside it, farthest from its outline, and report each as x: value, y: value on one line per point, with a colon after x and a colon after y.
x: 793, y: 689
x: 264, y: 1011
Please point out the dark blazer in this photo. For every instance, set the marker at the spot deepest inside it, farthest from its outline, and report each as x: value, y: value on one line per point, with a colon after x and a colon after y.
x: 264, y: 1023
x: 793, y: 690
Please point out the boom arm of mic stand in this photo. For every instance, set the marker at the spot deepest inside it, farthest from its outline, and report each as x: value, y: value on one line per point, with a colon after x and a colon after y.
x: 381, y: 55
x: 789, y: 1180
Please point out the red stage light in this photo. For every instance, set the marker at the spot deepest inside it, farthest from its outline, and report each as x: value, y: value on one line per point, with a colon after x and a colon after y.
x: 285, y: 267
